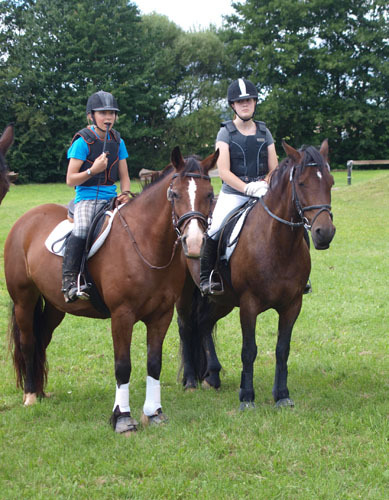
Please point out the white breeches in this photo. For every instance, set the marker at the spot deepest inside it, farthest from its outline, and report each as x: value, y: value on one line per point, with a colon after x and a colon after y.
x: 224, y: 205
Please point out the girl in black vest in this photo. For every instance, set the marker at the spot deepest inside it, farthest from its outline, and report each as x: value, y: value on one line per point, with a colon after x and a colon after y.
x: 247, y: 155
x: 93, y: 170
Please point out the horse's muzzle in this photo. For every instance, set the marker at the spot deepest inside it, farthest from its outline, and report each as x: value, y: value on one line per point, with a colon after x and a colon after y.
x: 322, y: 235
x: 193, y: 245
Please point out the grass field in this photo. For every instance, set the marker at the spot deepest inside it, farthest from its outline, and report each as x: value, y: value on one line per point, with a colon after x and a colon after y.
x: 333, y: 445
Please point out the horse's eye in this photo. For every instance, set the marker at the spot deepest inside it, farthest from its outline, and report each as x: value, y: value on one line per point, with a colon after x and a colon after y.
x: 301, y: 184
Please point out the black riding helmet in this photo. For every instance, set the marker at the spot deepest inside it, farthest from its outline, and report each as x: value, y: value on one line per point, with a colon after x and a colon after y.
x: 101, y: 101
x: 241, y: 89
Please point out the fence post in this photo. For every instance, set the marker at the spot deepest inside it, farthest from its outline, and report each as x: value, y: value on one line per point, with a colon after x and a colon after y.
x: 349, y: 169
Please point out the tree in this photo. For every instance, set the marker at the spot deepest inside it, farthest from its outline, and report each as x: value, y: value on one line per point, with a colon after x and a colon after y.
x: 322, y: 67
x: 167, y: 82
x: 59, y: 52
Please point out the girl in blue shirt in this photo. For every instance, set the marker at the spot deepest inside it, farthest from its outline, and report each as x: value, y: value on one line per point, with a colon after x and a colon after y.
x: 97, y: 159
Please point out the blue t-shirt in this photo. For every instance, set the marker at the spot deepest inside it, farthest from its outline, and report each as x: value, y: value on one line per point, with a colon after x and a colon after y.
x: 80, y: 150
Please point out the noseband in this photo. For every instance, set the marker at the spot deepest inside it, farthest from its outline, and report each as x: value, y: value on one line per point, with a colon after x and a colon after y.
x: 181, y: 223
x: 300, y: 210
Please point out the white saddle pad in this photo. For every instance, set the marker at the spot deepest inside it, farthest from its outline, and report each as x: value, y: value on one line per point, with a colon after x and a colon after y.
x: 234, y: 237
x: 55, y: 242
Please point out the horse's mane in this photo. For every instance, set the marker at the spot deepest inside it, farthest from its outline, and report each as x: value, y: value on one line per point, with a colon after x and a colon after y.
x: 192, y: 164
x: 311, y: 155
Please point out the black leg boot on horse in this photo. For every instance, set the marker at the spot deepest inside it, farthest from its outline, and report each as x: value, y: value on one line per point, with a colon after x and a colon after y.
x: 70, y: 270
x: 210, y: 281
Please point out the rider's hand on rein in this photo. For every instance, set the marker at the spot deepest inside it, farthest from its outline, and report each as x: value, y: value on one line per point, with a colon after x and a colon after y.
x: 256, y: 188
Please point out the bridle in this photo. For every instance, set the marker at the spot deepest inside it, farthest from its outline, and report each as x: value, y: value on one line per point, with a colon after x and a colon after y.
x: 179, y: 224
x: 300, y: 210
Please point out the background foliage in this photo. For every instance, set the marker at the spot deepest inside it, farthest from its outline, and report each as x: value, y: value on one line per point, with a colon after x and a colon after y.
x: 321, y: 67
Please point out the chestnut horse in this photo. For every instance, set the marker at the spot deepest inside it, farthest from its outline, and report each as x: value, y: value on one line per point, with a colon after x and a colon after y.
x: 268, y: 269
x: 139, y: 273
x: 6, y: 140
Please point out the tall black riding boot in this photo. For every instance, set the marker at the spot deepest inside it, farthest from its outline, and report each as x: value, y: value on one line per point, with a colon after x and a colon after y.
x: 71, y: 267
x: 210, y: 283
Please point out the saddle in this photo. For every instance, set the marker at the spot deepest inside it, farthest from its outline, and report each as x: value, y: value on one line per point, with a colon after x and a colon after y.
x: 56, y: 241
x: 229, y: 233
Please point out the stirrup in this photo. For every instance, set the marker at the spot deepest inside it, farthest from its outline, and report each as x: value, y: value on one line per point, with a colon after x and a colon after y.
x: 214, y: 286
x: 82, y: 290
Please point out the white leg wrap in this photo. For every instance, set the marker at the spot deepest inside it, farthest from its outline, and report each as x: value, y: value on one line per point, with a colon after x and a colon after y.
x: 153, y: 396
x: 122, y: 397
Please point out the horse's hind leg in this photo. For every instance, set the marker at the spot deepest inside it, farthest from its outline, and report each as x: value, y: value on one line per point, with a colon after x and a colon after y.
x: 196, y: 320
x: 32, y: 325
x: 186, y: 320
x: 285, y: 327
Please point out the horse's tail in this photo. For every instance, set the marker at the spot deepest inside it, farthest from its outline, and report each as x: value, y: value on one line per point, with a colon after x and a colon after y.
x: 40, y: 367
x: 194, y: 342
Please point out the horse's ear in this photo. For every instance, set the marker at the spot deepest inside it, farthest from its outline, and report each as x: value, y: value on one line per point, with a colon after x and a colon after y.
x: 324, y: 149
x: 177, y: 158
x: 7, y: 138
x: 291, y: 152
x: 209, y: 162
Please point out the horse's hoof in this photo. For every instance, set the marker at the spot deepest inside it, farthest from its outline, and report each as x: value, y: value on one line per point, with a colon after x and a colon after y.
x: 206, y: 385
x: 246, y: 405
x: 126, y: 425
x: 157, y: 419
x: 190, y: 387
x: 29, y: 398
x: 285, y: 403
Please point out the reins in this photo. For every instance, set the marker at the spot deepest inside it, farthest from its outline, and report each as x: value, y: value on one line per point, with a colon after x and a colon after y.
x: 178, y: 224
x: 300, y: 210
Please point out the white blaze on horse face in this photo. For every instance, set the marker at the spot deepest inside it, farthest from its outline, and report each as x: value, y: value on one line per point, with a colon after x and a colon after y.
x: 192, y: 188
x: 319, y: 175
x: 193, y: 233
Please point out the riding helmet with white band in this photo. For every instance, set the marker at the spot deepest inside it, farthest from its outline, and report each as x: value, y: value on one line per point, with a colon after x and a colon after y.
x: 240, y: 90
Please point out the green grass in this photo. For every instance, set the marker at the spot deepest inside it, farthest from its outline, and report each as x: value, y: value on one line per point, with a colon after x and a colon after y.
x: 333, y: 445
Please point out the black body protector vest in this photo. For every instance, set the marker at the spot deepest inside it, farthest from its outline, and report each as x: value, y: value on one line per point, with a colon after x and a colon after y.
x: 248, y: 154
x: 95, y: 145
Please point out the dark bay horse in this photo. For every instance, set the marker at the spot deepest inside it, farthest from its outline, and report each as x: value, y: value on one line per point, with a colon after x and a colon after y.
x: 139, y: 272
x: 6, y: 140
x: 269, y: 269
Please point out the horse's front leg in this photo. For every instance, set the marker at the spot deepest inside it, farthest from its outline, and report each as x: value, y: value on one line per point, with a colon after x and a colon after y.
x: 156, y: 331
x: 121, y: 419
x: 285, y: 326
x: 249, y: 353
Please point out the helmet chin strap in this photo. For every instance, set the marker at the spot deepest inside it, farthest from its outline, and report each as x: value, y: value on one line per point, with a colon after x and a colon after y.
x: 244, y: 119
x: 95, y: 124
